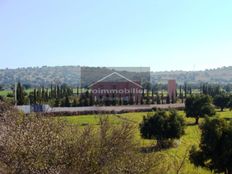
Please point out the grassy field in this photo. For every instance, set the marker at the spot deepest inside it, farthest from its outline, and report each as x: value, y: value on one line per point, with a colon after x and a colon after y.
x: 175, y: 156
x: 4, y: 93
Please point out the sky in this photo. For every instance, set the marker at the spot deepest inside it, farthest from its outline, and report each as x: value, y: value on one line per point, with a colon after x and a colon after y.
x: 161, y: 34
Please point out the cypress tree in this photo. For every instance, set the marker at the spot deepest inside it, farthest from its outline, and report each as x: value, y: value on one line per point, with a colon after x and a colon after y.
x: 157, y: 98
x: 67, y: 102
x: 180, y: 91
x: 91, y: 102
x: 168, y: 100
x: 162, y: 98
x: 77, y: 91
x: 20, y: 94
x: 34, y: 96
x: 131, y: 101
x: 74, y: 104
x: 152, y: 95
x: 51, y: 92
x: 185, y: 90
x: 43, y: 94
x: 120, y: 100
x: 57, y: 102
x: 173, y: 98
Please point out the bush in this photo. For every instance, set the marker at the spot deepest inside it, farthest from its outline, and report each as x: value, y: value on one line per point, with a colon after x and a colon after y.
x: 162, y: 126
x: 215, y: 150
x: 37, y: 144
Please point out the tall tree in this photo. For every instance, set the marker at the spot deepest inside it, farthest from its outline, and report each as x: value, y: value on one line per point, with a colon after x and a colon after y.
x: 185, y: 90
x: 20, y: 94
x: 157, y: 98
x: 162, y: 98
x: 167, y: 99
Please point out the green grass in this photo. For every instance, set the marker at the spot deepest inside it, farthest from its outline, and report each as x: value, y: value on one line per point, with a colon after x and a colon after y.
x: 174, y: 155
x: 90, y: 120
x: 4, y: 93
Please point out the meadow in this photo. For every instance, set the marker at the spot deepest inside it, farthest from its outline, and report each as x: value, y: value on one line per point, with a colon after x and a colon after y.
x: 5, y: 92
x: 177, y: 157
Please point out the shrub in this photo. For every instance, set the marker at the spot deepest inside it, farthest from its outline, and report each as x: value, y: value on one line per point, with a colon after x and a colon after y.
x: 215, y: 150
x: 162, y: 126
x: 37, y: 144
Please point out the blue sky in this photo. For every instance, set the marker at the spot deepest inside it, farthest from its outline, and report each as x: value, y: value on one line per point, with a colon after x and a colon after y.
x: 162, y: 34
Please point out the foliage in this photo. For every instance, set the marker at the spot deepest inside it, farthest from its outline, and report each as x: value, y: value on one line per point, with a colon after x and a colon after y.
x: 221, y: 101
x: 230, y: 102
x: 20, y: 94
x: 215, y: 150
x: 162, y: 126
x: 39, y: 76
x: 35, y: 144
x: 199, y: 106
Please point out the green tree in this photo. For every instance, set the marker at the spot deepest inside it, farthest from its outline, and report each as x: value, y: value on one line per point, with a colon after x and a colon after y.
x: 167, y: 99
x: 215, y: 150
x: 20, y: 94
x: 74, y: 104
x: 91, y: 99
x: 157, y: 98
x: 34, y: 96
x: 230, y: 103
x: 197, y: 106
x: 131, y: 100
x: 173, y: 98
x: 152, y: 97
x: 221, y: 101
x: 162, y: 98
x: 65, y: 102
x: 185, y: 90
x: 147, y: 100
x: 57, y: 102
x: 162, y: 126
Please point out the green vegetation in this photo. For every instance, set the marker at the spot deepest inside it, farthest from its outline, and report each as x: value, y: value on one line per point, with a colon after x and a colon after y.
x: 70, y: 75
x: 170, y: 161
x: 222, y: 101
x: 175, y: 156
x: 4, y: 92
x: 199, y: 106
x: 162, y: 126
x: 215, y: 147
x: 35, y: 144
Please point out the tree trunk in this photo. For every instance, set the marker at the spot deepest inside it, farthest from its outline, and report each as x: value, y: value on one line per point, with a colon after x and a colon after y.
x: 197, y: 120
x: 222, y: 109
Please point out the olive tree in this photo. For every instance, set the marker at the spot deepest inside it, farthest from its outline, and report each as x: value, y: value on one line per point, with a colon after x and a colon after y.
x: 197, y: 106
x: 215, y: 150
x: 221, y: 101
x: 162, y: 126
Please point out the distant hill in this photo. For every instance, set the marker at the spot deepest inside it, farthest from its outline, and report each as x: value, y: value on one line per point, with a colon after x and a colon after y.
x: 219, y: 75
x: 70, y: 75
x: 38, y: 76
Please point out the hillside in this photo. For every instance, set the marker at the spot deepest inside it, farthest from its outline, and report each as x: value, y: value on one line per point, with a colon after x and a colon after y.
x: 38, y: 76
x: 220, y: 75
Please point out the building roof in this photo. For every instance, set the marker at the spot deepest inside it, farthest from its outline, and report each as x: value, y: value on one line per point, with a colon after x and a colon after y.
x: 117, y: 74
